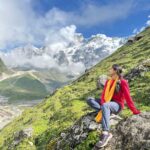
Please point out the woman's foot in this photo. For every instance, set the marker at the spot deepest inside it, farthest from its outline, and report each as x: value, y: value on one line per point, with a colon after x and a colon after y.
x: 104, y: 139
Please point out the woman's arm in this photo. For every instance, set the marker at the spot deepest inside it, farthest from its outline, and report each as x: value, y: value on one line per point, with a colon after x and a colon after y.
x: 129, y: 101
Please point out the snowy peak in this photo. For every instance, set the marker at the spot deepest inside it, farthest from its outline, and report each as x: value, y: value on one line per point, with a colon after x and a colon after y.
x: 66, y: 54
x: 28, y: 51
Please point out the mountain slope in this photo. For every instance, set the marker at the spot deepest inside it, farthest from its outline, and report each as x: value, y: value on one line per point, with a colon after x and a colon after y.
x: 24, y: 87
x: 44, y: 123
x: 31, y: 85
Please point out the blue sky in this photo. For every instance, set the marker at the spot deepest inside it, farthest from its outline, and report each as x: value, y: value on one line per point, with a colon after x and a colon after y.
x: 43, y: 22
x: 135, y: 18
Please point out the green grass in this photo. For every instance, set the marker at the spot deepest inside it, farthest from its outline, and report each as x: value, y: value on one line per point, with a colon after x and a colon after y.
x: 59, y: 111
x: 22, y: 88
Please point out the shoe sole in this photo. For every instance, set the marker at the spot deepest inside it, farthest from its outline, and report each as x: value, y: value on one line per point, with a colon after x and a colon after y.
x: 106, y: 141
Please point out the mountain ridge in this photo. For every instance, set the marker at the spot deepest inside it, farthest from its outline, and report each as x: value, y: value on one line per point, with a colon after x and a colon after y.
x: 97, y: 46
x: 52, y: 66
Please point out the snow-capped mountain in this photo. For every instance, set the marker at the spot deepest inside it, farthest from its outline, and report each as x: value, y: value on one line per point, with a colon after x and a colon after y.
x: 54, y: 65
x: 75, y: 56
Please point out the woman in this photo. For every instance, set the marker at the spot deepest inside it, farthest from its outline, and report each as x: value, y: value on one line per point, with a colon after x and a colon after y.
x: 115, y: 105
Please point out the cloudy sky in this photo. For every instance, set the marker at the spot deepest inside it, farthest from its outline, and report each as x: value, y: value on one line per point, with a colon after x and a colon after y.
x: 42, y: 22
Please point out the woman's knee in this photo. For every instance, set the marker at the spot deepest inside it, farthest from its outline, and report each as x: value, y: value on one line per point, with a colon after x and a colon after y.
x: 105, y: 105
x: 89, y: 100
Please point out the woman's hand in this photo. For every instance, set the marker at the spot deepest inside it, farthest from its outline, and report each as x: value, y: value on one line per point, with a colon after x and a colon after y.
x: 135, y: 112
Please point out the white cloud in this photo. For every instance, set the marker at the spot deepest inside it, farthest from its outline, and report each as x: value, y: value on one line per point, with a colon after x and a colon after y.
x: 148, y: 23
x: 60, y: 40
x: 91, y: 15
x: 135, y: 31
x: 15, y: 22
x: 19, y: 24
x: 16, y: 58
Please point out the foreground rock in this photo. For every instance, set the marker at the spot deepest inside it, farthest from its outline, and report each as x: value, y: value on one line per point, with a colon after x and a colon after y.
x: 79, y: 131
x: 132, y: 133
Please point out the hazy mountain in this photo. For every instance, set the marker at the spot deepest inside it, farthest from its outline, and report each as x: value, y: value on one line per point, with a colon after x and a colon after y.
x: 52, y: 66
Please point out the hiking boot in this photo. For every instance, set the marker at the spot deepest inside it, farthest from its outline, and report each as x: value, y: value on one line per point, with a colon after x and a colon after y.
x: 104, y: 140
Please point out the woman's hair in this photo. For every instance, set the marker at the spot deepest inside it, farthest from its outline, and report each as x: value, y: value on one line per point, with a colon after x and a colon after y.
x: 118, y: 69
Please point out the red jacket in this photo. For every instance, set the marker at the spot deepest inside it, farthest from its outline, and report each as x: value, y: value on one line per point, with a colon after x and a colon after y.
x: 123, y: 94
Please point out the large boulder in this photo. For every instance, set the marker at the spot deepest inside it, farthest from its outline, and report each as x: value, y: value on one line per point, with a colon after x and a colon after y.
x: 132, y: 133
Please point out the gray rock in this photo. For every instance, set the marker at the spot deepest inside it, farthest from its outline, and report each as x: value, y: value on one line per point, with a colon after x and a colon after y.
x: 132, y: 133
x: 101, y: 81
x: 139, y: 70
x: 63, y: 135
x: 133, y: 39
x: 80, y: 130
x: 20, y: 135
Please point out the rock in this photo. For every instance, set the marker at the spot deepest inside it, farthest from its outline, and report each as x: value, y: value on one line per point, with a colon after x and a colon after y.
x: 63, y: 135
x: 138, y: 37
x: 79, y: 131
x: 101, y: 81
x: 132, y: 133
x: 139, y: 70
x: 130, y: 41
x: 20, y: 135
x: 114, y: 119
x: 93, y: 126
x: 133, y: 39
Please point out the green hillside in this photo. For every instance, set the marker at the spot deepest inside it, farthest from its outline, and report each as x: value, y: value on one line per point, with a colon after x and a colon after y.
x: 59, y: 111
x: 32, y: 85
x: 53, y: 78
x: 22, y: 88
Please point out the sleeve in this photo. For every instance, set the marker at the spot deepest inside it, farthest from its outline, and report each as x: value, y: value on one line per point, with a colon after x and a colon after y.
x: 127, y: 96
x: 102, y: 94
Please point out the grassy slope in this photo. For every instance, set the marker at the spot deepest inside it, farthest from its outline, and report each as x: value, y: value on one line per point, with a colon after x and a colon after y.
x: 54, y: 79
x: 22, y: 87
x: 67, y: 104
x: 32, y: 86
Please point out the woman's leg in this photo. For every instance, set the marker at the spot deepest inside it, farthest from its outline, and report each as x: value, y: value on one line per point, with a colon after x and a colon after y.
x: 94, y: 103
x: 107, y: 109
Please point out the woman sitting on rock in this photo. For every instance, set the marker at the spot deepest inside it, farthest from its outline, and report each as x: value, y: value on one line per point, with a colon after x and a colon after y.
x: 116, y: 89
